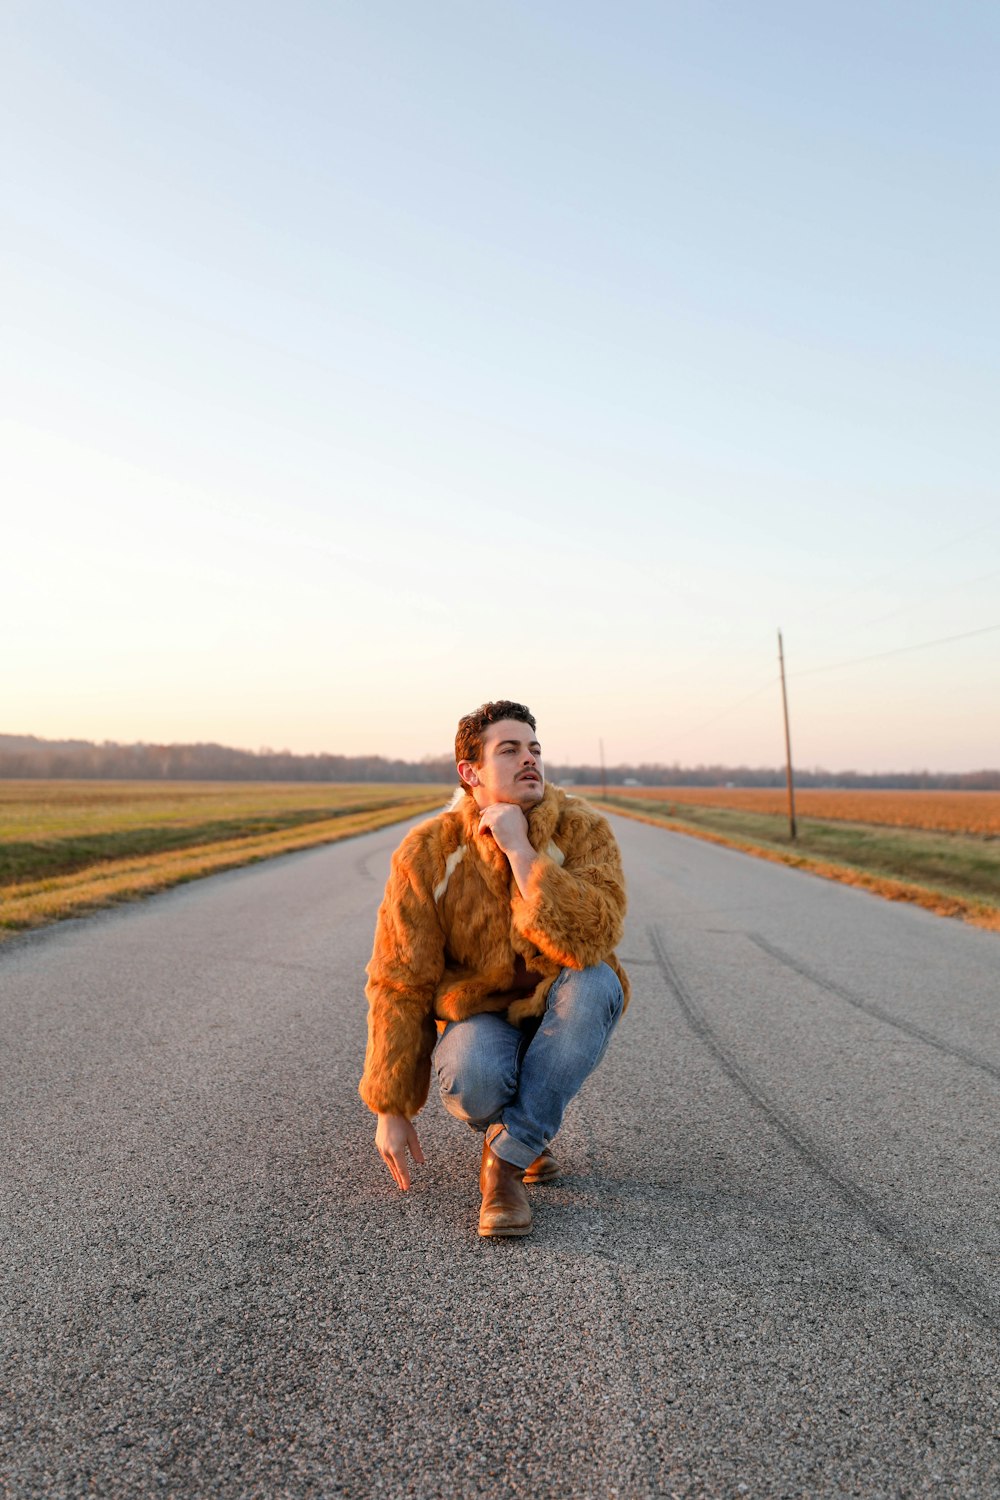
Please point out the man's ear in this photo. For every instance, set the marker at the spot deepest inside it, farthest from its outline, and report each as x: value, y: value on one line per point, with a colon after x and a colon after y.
x: 467, y: 771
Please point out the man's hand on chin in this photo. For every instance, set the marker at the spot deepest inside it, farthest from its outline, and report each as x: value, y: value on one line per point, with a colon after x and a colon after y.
x: 508, y: 825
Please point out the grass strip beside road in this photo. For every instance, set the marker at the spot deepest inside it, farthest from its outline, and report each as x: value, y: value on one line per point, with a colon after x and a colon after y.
x: 26, y: 859
x: 126, y: 865
x: 954, y: 875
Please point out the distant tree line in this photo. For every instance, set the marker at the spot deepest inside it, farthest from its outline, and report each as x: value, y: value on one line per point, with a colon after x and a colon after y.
x: 28, y: 756
x: 23, y: 755
x: 676, y: 775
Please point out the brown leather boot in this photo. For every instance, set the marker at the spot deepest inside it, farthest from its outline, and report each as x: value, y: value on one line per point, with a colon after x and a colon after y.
x: 544, y: 1168
x: 505, y: 1208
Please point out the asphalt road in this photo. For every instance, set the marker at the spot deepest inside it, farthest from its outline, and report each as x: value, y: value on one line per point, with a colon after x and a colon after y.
x: 771, y: 1270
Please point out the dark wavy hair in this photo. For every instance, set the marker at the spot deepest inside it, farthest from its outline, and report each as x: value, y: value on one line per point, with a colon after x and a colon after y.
x: 469, y: 736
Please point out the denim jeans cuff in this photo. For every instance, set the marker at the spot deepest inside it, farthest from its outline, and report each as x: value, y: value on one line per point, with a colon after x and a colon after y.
x: 504, y: 1145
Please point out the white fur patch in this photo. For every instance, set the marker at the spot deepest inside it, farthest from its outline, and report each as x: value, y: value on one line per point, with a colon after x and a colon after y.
x: 554, y: 852
x: 457, y: 798
x: 450, y: 865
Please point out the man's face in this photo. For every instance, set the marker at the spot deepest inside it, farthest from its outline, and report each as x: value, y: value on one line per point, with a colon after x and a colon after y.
x: 510, y: 769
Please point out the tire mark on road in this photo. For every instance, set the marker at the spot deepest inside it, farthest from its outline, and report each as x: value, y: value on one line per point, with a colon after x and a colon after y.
x: 362, y: 866
x: 647, y: 1457
x: 855, y: 1195
x: 870, y: 1008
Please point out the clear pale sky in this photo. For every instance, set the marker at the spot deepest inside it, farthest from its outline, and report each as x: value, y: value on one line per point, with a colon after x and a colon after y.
x: 364, y: 361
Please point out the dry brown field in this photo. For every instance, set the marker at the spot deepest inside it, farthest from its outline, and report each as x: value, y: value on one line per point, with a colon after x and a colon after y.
x: 940, y: 812
x: 67, y: 847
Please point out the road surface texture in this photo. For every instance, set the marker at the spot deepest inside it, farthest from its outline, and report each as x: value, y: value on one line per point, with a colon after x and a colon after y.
x: 770, y: 1271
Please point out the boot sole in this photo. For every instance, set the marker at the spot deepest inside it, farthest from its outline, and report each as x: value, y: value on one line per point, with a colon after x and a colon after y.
x: 506, y: 1234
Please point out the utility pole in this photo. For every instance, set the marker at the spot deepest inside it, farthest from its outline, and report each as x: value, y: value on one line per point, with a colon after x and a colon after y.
x: 604, y: 774
x: 788, y: 743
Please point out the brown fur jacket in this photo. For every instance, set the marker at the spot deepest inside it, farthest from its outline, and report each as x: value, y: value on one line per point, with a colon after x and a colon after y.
x: 453, y: 925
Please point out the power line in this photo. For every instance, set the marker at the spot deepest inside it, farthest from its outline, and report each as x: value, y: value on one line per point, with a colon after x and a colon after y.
x: 943, y: 640
x: 963, y: 583
x: 901, y: 566
x: 726, y: 711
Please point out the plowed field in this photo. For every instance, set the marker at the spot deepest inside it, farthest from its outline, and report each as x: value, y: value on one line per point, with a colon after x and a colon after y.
x: 940, y: 812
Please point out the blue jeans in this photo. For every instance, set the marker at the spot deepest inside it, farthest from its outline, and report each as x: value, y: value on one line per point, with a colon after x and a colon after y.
x: 490, y: 1070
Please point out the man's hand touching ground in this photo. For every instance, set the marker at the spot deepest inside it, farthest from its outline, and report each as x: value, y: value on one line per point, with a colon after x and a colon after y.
x: 393, y: 1137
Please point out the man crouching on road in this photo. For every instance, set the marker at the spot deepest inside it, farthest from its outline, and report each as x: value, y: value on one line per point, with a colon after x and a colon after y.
x: 495, y: 941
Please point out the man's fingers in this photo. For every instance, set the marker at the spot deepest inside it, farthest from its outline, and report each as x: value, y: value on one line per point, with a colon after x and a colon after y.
x: 398, y: 1170
x: 392, y: 1138
x: 392, y: 1167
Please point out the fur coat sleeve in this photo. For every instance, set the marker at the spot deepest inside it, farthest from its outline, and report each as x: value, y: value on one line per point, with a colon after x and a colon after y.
x: 574, y: 912
x: 403, y: 976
